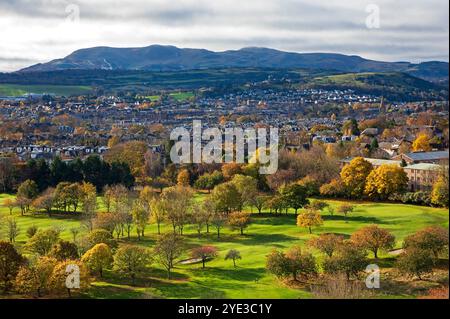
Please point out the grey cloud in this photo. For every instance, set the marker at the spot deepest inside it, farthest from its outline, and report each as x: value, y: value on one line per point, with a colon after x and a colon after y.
x: 410, y: 29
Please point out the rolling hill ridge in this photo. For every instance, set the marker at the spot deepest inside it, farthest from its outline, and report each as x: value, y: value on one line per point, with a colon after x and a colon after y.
x: 170, y: 58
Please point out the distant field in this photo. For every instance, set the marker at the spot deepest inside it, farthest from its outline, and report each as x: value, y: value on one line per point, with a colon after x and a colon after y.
x: 249, y: 279
x: 182, y: 96
x: 153, y: 98
x: 19, y: 90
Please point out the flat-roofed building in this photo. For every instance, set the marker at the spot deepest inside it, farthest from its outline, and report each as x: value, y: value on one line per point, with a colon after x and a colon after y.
x: 436, y: 157
x: 421, y: 176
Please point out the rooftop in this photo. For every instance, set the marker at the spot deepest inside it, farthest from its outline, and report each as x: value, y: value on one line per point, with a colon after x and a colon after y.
x: 376, y: 161
x: 423, y: 156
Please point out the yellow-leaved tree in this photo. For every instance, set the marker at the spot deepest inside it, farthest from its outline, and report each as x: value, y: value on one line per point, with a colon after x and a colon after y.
x: 385, y: 181
x: 439, y: 194
x: 422, y: 143
x: 183, y: 178
x: 354, y: 176
x: 310, y: 218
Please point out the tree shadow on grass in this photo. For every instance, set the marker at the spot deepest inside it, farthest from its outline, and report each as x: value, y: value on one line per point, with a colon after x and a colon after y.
x: 264, y: 239
x: 345, y: 236
x: 238, y: 273
x: 145, y: 241
x: 273, y: 220
x: 147, y: 279
x: 106, y: 291
x: 188, y: 290
x: 161, y: 275
x: 360, y: 219
x: 387, y: 262
x: 54, y: 216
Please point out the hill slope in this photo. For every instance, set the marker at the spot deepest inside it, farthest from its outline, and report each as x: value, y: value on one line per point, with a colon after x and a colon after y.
x: 170, y: 58
x: 393, y: 85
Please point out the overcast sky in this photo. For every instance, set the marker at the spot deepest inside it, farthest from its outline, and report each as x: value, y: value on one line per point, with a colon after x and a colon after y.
x: 33, y: 31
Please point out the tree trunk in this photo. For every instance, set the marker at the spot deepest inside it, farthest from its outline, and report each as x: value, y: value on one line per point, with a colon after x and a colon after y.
x: 242, y: 231
x: 159, y: 229
x: 234, y: 262
x: 310, y: 231
x: 218, y: 233
x: 203, y: 261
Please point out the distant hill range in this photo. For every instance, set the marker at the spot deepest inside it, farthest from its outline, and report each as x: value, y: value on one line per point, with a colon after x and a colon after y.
x: 170, y: 58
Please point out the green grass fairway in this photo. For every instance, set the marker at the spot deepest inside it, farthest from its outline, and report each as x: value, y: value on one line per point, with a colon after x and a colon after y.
x: 20, y: 90
x: 249, y: 279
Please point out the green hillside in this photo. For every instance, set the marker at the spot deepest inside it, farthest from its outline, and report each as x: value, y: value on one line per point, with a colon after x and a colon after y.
x: 20, y: 90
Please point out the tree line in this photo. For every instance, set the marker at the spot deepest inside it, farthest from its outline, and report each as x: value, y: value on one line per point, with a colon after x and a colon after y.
x: 92, y: 170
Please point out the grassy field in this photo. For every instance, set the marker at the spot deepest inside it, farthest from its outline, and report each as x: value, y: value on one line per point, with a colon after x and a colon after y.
x: 182, y: 96
x: 249, y: 279
x: 19, y: 90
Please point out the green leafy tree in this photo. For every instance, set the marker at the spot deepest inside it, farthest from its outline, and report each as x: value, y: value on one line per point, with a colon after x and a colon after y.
x: 99, y: 236
x: 293, y: 263
x: 43, y: 241
x: 247, y: 188
x: 64, y: 250
x: 26, y: 193
x: 10, y: 263
x: 433, y: 239
x: 295, y: 196
x: 131, y: 261
x: 141, y: 217
x: 226, y: 198
x: 415, y: 261
x: 98, y: 258
x: 349, y: 259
